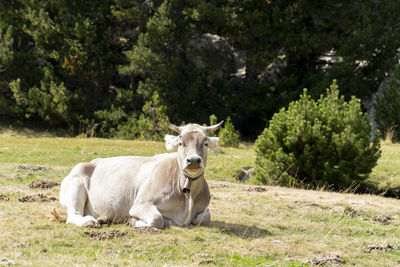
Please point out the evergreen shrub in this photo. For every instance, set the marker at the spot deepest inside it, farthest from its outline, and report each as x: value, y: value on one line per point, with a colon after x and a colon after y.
x: 323, y: 142
x: 228, y: 136
x: 151, y: 124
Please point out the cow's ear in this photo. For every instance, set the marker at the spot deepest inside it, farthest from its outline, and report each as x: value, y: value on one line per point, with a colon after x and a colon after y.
x: 171, y: 142
x: 212, y: 143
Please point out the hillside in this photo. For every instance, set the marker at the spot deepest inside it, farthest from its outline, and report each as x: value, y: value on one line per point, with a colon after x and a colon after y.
x: 251, y: 225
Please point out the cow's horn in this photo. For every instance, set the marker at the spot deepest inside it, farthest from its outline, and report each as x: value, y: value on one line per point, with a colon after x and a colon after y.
x: 173, y: 127
x: 214, y: 127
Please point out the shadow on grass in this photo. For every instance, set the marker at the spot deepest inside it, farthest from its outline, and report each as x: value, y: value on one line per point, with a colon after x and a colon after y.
x: 240, y: 230
x: 29, y: 128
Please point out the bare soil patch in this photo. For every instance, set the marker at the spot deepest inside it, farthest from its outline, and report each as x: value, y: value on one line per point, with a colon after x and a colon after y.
x: 206, y: 261
x: 37, y: 198
x: 4, y: 198
x: 32, y: 167
x: 147, y: 229
x: 219, y: 186
x: 349, y: 211
x: 258, y: 189
x: 115, y: 253
x: 378, y: 248
x: 105, y: 235
x: 15, y: 245
x: 385, y: 219
x: 324, y: 260
x: 43, y: 184
x: 303, y: 203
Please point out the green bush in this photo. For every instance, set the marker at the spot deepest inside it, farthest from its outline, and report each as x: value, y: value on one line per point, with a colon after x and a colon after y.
x: 213, y: 119
x: 387, y: 109
x: 321, y: 142
x: 151, y: 124
x: 228, y: 136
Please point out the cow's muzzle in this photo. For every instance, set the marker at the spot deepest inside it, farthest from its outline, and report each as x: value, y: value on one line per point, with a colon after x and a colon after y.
x: 193, y: 166
x: 193, y: 169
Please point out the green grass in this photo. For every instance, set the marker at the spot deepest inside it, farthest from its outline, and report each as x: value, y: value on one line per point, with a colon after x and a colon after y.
x: 278, y: 227
x: 385, y: 177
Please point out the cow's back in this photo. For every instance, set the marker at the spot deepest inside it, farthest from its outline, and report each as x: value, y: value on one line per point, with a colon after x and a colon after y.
x: 115, y: 182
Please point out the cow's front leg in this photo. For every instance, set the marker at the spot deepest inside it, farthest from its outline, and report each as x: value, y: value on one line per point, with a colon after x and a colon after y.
x: 202, y: 218
x: 146, y: 215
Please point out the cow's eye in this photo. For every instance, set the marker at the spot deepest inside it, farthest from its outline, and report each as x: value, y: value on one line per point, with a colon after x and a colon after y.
x: 206, y: 144
x: 179, y: 143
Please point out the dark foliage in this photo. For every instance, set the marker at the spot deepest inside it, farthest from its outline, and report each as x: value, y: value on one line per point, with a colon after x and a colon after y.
x: 93, y: 67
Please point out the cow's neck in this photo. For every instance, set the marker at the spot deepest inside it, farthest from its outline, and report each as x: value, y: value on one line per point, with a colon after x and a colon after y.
x: 189, y: 185
x: 195, y: 186
x: 195, y: 189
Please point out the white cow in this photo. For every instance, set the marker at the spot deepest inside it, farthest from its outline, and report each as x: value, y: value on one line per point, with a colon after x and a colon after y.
x: 163, y: 190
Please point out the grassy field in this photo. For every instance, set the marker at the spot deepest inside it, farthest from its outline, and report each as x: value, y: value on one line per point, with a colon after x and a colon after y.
x: 251, y: 225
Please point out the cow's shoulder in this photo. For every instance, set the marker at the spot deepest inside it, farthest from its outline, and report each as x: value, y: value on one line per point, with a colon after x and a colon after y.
x: 166, y: 166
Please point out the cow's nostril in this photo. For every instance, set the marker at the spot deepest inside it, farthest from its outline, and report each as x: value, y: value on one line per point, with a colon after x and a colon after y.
x: 193, y: 161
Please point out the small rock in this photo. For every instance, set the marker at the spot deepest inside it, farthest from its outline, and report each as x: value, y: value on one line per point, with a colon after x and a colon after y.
x: 276, y: 241
x: 244, y: 174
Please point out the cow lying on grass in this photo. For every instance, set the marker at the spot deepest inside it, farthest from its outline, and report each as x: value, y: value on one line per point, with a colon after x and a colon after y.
x: 163, y: 190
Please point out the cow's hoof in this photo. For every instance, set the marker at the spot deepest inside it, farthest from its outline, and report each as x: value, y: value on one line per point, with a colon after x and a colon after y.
x: 92, y: 223
x: 103, y: 220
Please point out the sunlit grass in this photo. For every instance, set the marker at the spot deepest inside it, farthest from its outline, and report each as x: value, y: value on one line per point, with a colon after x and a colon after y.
x: 278, y: 227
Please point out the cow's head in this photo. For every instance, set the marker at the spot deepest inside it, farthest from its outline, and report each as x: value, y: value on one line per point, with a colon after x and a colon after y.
x: 192, y: 144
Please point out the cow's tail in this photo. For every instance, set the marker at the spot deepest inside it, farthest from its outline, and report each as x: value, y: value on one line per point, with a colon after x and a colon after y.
x: 55, y: 217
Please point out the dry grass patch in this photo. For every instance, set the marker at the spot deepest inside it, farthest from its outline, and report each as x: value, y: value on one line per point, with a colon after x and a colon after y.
x: 251, y: 225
